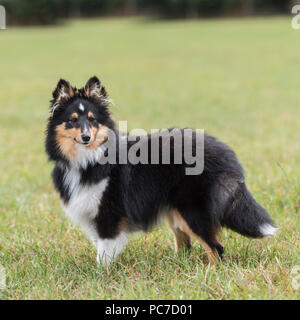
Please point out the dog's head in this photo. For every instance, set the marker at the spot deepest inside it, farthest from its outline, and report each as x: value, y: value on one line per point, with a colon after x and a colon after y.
x: 79, y: 120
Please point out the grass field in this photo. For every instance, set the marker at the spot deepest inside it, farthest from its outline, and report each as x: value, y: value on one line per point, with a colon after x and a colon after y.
x: 237, y: 79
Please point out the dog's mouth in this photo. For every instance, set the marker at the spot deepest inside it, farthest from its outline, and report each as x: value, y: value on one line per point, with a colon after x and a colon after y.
x: 92, y: 142
x: 84, y: 143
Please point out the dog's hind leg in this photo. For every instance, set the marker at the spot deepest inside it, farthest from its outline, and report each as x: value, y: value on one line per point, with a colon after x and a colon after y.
x: 195, y: 226
x: 180, y: 237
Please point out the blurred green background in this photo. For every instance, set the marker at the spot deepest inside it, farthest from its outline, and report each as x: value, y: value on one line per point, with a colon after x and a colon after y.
x: 236, y: 78
x: 53, y: 11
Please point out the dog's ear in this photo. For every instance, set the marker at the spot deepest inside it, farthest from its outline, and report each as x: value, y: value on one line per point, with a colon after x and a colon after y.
x: 61, y: 94
x: 94, y: 90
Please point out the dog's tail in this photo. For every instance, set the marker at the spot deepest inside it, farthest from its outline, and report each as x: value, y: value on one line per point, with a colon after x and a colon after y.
x: 247, y: 217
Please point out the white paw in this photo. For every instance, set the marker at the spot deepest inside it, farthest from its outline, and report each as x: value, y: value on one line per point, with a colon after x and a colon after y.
x: 103, y: 259
x: 109, y: 249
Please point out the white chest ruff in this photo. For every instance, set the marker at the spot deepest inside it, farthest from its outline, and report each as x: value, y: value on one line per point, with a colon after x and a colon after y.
x: 85, y: 200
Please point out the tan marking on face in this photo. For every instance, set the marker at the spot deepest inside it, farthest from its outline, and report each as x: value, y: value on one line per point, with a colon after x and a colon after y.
x: 212, y: 255
x: 74, y: 115
x: 65, y: 139
x: 99, y: 136
x: 91, y: 115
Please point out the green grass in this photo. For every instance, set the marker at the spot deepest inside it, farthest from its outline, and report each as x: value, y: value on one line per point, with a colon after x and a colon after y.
x: 237, y: 79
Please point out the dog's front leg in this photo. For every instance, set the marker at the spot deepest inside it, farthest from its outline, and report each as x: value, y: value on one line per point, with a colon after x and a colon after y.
x: 109, y: 249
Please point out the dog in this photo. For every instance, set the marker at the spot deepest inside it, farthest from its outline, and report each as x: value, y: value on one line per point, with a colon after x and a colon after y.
x: 111, y: 200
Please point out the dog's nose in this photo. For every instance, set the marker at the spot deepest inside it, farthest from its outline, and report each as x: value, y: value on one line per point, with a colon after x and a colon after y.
x: 85, y: 137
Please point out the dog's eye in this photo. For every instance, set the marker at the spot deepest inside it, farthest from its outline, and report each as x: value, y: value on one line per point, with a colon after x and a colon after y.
x: 92, y: 119
x: 73, y: 120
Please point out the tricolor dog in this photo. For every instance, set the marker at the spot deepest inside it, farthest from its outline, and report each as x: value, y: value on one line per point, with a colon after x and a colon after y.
x: 111, y: 200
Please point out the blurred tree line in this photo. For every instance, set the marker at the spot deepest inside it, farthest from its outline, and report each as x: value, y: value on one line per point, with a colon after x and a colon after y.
x: 29, y: 12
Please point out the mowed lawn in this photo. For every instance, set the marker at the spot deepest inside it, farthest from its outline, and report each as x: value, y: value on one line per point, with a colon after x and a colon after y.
x: 237, y: 79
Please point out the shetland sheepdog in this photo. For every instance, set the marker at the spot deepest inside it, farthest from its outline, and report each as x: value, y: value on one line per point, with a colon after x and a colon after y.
x: 111, y: 200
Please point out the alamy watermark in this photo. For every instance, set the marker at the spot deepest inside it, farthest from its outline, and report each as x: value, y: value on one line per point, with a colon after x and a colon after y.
x: 295, y: 274
x: 2, y: 17
x: 2, y: 278
x: 296, y: 20
x: 166, y: 146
